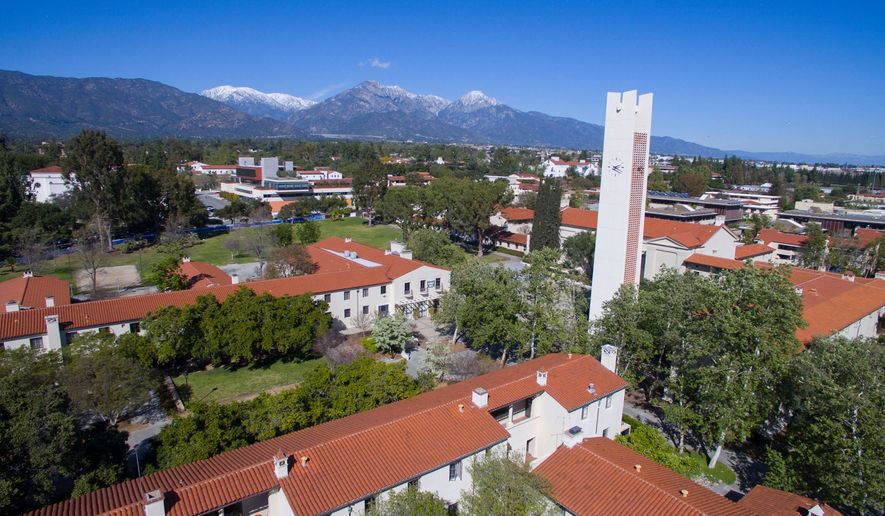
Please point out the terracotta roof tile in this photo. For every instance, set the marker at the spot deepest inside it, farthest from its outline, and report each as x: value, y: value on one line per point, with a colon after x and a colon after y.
x: 512, y: 214
x: 31, y: 292
x: 714, y: 261
x: 768, y: 235
x: 598, y: 476
x: 743, y: 252
x: 202, y: 275
x: 766, y: 501
x: 685, y: 233
x: 54, y: 169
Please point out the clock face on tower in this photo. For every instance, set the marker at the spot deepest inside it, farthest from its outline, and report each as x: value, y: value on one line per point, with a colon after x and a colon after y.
x: 616, y: 167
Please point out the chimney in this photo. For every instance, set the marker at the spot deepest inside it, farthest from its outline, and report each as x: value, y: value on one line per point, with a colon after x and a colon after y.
x: 235, y: 279
x: 573, y: 436
x: 848, y: 276
x: 53, y: 332
x: 480, y: 397
x: 186, y: 259
x: 28, y: 274
x: 407, y: 254
x: 609, y: 357
x: 12, y: 306
x: 719, y: 220
x: 541, y: 377
x: 591, y: 388
x: 684, y: 493
x: 281, y: 465
x: 348, y: 240
x: 798, y: 290
x: 50, y: 301
x: 154, y: 503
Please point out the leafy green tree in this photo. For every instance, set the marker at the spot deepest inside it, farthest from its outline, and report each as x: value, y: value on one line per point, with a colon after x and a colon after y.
x: 542, y: 295
x: 757, y: 223
x: 411, y: 502
x: 649, y: 442
x: 693, y: 182
x: 369, y: 185
x: 391, y: 334
x: 807, y: 191
x: 545, y: 226
x: 471, y: 203
x: 504, y: 484
x: 102, y: 381
x: 435, y: 247
x: 834, y: 440
x: 402, y: 206
x: 283, y: 234
x: 814, y: 253
x: 166, y: 274
x: 579, y: 251
x: 308, y: 232
x: 209, y: 430
x: 94, y: 164
x: 484, y: 305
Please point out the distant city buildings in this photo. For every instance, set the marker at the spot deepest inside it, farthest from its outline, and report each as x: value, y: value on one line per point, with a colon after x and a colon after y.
x: 555, y: 167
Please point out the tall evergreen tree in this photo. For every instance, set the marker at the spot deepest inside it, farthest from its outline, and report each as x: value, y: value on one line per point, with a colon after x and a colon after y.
x: 545, y: 226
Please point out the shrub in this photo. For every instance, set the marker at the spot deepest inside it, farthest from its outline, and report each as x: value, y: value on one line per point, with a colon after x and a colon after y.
x: 370, y: 345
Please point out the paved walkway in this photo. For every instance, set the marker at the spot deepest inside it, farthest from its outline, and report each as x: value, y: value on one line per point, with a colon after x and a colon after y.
x: 749, y: 471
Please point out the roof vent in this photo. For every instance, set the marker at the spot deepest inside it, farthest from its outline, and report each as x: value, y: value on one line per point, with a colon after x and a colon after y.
x: 684, y: 492
x: 480, y: 397
x: 281, y: 465
x: 305, y: 460
x: 848, y: 276
x: 638, y: 468
x: 798, y: 290
x: 460, y: 407
x: 348, y: 239
x: 186, y: 259
x: 50, y: 301
x: 591, y: 388
x: 28, y: 274
x: 541, y: 377
x: 575, y: 430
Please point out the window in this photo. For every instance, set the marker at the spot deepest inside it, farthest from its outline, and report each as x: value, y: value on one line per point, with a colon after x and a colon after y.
x: 585, y: 411
x: 415, y: 484
x: 365, y: 292
x: 382, y: 310
x: 366, y: 310
x: 608, y: 402
x: 383, y: 289
x: 605, y: 432
x: 370, y: 504
x: 501, y: 415
x: 104, y: 329
x: 408, y: 288
x: 327, y: 298
x: 455, y: 471
x: 347, y: 295
x: 347, y: 312
x: 37, y: 343
x: 423, y: 286
x: 134, y: 327
x: 438, y: 283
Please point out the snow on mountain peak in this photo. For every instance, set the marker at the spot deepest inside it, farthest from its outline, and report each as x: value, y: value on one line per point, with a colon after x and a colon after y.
x: 476, y: 99
x: 234, y: 95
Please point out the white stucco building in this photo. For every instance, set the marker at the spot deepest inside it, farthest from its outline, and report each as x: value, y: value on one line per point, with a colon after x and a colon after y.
x: 46, y: 183
x: 555, y: 167
x: 622, y: 195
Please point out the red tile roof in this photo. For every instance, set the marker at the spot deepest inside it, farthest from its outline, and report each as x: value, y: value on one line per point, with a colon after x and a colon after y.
x: 685, y: 233
x: 202, y: 275
x: 716, y: 262
x: 54, y: 169
x: 276, y: 206
x: 831, y: 303
x: 335, y: 273
x: 513, y: 214
x: 599, y: 476
x: 766, y: 501
x: 360, y: 455
x: 743, y: 252
x: 768, y: 235
x: 513, y: 238
x: 31, y: 292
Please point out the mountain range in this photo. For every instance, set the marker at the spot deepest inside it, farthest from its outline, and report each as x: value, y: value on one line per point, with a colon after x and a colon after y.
x: 56, y: 107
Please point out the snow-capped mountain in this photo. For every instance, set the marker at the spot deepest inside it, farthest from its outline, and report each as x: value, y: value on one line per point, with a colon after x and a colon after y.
x: 473, y: 100
x: 278, y: 106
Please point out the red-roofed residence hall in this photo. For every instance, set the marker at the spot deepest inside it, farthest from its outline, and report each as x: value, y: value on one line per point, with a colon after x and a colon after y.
x: 357, y: 281
x: 559, y: 411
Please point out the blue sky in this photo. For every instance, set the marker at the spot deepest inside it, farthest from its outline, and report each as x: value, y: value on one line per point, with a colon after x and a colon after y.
x: 805, y: 76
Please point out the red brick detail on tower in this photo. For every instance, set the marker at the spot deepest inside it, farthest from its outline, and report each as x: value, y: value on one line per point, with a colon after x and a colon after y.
x: 637, y: 199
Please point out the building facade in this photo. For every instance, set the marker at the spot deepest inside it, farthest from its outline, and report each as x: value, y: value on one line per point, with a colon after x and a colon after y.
x: 46, y: 183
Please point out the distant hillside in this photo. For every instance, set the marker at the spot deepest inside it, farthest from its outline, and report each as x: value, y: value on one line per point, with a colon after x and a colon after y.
x: 39, y: 106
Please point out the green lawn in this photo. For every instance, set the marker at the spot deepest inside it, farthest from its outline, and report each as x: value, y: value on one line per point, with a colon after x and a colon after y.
x: 721, y: 472
x: 356, y: 228
x: 212, y: 249
x: 225, y: 385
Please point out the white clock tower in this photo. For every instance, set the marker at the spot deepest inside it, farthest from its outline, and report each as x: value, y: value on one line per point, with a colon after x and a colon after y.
x: 618, y: 254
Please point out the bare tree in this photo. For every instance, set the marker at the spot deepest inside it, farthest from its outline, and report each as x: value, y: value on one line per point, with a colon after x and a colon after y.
x: 468, y: 364
x: 89, y: 248
x: 258, y: 241
x: 234, y: 245
x: 32, y: 246
x: 363, y: 321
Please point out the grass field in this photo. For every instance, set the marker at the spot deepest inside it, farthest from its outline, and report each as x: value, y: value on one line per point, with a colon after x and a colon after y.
x: 721, y: 472
x: 225, y: 385
x: 212, y: 249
